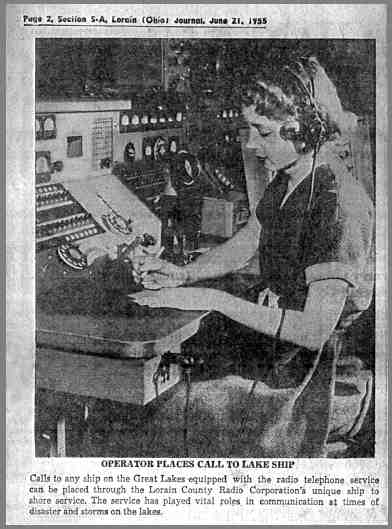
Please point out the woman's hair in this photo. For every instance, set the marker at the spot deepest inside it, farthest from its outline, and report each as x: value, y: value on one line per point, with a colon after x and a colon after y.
x: 299, y: 91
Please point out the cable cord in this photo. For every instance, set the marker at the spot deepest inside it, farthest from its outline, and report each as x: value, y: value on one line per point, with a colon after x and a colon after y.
x: 186, y: 410
x: 313, y: 175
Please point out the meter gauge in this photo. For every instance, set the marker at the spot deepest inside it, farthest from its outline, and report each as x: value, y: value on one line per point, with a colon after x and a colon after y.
x: 160, y: 148
x: 224, y: 114
x: 179, y: 117
x: 43, y: 169
x: 144, y: 120
x: 153, y: 120
x: 124, y: 122
x: 187, y: 169
x: 148, y: 152
x: 135, y: 120
x: 49, y: 127
x: 129, y: 153
x: 148, y: 149
x: 173, y: 145
x: 49, y: 124
x: 41, y: 165
x: 188, y: 180
x: 231, y: 113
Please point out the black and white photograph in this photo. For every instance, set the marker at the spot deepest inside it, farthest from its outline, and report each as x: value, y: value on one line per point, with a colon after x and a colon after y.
x: 207, y: 276
x: 205, y: 247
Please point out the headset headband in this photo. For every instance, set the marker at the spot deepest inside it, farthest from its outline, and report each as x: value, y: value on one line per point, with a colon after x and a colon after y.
x: 310, y: 93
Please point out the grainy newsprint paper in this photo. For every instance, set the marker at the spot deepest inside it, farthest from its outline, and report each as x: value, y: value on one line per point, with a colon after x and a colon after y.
x: 100, y: 429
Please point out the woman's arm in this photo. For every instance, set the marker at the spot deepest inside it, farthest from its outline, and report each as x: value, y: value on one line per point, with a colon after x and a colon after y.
x: 310, y: 328
x: 227, y: 257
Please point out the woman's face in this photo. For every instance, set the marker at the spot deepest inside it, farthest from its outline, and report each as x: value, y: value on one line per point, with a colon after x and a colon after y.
x: 264, y: 136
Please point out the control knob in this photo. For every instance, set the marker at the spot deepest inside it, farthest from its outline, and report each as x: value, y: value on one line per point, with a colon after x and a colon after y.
x: 148, y: 240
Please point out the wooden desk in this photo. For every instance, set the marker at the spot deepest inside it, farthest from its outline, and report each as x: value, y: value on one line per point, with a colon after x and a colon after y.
x: 100, y: 344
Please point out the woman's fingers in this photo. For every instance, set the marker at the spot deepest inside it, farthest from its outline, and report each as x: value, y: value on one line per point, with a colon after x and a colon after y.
x: 152, y: 285
x: 160, y: 279
x: 146, y: 298
x: 145, y: 263
x: 93, y: 254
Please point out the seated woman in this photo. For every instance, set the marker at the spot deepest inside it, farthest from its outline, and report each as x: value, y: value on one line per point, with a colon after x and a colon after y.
x: 312, y: 229
x: 313, y: 232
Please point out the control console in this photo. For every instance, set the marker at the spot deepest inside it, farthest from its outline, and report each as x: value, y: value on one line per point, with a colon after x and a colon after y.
x: 60, y: 218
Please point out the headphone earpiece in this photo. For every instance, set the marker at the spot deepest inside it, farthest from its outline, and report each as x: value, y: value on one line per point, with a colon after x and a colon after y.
x: 311, y: 129
x: 306, y: 135
x: 290, y: 131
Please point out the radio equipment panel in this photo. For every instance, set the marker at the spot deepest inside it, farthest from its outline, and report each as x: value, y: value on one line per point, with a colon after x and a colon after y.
x: 60, y: 218
x: 79, y: 139
x: 80, y: 205
x: 146, y: 179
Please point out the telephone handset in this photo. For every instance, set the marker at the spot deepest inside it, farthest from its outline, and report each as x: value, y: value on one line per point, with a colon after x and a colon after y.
x: 71, y: 255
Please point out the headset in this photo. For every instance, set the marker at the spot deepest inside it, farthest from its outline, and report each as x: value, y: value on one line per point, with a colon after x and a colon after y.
x: 309, y: 131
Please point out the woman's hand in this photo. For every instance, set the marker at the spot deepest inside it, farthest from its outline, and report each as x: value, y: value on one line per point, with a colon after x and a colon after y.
x: 190, y: 298
x: 154, y: 273
x: 103, y: 245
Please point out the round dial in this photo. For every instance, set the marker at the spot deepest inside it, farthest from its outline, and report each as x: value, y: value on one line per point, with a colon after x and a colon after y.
x: 148, y: 150
x: 49, y: 124
x: 135, y: 120
x: 125, y: 120
x: 144, y: 119
x: 159, y: 148
x: 72, y: 256
x: 179, y: 116
x: 41, y: 165
x: 187, y: 169
x: 130, y: 152
x: 74, y: 253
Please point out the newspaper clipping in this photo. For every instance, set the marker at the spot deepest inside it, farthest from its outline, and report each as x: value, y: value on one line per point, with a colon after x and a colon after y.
x: 196, y: 264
